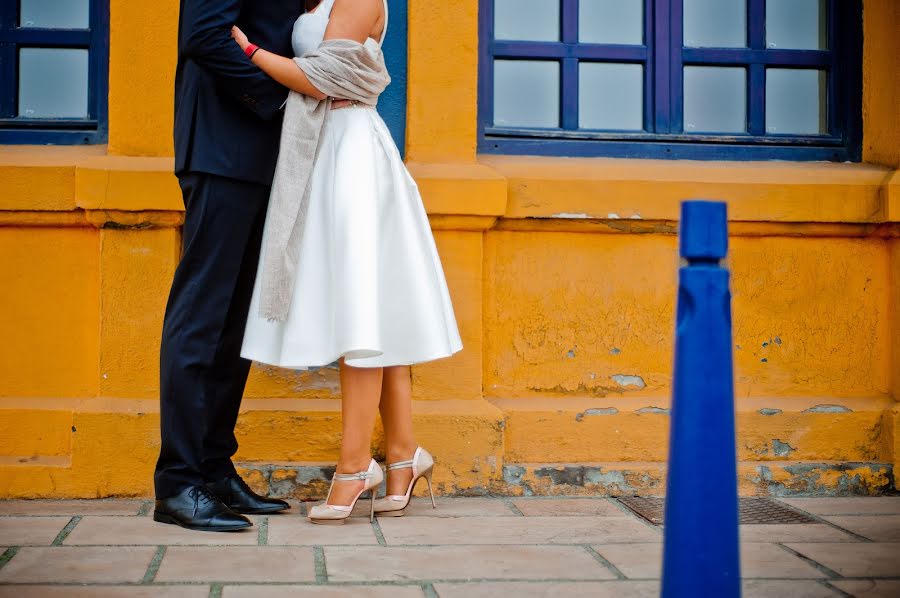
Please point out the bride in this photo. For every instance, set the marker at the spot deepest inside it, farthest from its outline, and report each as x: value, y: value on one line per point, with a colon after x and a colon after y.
x: 367, y: 288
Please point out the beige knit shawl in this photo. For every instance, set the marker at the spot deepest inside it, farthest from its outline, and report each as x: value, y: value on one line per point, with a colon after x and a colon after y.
x: 340, y: 69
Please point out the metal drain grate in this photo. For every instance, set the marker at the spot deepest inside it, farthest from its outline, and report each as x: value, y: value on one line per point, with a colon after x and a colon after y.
x: 753, y: 510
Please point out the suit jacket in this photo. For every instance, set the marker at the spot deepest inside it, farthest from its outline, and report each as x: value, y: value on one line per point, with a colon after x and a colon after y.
x: 227, y: 111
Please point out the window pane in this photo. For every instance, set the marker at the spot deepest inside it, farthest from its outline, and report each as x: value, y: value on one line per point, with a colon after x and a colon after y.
x: 611, y: 96
x: 795, y: 101
x: 715, y: 23
x: 796, y: 24
x: 55, y: 14
x: 532, y: 20
x: 526, y: 93
x: 611, y: 21
x: 53, y: 83
x: 715, y: 99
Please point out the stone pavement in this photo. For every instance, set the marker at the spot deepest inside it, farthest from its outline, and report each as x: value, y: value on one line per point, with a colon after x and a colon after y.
x: 468, y: 547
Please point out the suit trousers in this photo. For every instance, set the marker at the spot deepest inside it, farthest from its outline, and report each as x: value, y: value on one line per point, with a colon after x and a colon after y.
x: 202, y: 374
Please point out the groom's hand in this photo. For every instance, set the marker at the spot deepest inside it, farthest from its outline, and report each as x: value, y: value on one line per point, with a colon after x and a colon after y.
x: 338, y: 104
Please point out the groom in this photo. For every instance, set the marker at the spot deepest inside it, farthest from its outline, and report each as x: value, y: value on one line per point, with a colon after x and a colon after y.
x: 227, y: 128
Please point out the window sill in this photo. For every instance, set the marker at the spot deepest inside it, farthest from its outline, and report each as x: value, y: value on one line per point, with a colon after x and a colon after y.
x: 57, y: 179
x: 66, y: 178
x: 609, y: 188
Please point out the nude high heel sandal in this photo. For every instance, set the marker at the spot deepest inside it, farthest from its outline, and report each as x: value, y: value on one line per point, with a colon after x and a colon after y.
x: 336, y: 514
x: 394, y: 505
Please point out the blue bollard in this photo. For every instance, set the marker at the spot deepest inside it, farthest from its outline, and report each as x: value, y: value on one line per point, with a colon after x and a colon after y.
x: 701, y: 556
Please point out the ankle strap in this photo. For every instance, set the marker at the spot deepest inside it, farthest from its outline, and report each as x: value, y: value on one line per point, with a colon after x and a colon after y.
x: 401, y: 464
x: 346, y: 477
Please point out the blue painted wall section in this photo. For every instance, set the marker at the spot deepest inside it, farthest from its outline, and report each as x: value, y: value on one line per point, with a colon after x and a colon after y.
x: 701, y: 555
x: 392, y: 104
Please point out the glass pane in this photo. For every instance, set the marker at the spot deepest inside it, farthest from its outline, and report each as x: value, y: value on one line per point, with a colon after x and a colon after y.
x: 53, y: 83
x: 611, y: 96
x: 532, y: 20
x: 796, y: 24
x: 715, y: 23
x: 526, y: 93
x: 54, y: 14
x: 715, y: 99
x: 795, y: 101
x: 611, y: 22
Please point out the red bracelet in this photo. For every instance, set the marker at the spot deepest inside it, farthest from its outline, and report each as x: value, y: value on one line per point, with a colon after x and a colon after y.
x: 250, y: 50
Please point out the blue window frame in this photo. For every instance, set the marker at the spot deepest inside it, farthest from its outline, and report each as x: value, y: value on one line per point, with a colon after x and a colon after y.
x: 54, y: 57
x: 553, y: 82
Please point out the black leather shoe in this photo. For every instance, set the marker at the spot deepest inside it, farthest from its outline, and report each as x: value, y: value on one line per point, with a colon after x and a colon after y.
x: 234, y: 492
x: 198, y: 509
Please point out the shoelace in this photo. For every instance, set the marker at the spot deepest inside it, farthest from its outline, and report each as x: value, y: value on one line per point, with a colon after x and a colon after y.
x: 201, y: 494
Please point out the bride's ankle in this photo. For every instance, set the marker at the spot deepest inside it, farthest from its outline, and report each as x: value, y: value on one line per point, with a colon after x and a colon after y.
x: 396, y: 454
x: 353, y: 466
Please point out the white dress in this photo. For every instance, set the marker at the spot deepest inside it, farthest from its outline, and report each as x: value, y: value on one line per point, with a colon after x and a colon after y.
x: 369, y: 285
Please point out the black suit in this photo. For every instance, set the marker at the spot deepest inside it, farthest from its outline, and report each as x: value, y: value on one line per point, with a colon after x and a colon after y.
x: 227, y: 128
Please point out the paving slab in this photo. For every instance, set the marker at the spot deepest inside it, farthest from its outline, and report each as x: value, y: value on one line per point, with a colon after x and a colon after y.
x: 356, y: 564
x: 446, y: 507
x: 556, y: 507
x: 299, y: 531
x: 869, y: 588
x: 68, y: 564
x: 875, y: 559
x: 551, y: 589
x: 61, y: 591
x: 459, y: 507
x: 863, y: 505
x: 515, y: 530
x: 758, y: 560
x: 31, y: 531
x: 237, y: 563
x: 616, y: 589
x: 880, y: 528
x: 70, y: 507
x: 795, y: 532
x: 348, y: 591
x: 770, y: 588
x: 109, y: 531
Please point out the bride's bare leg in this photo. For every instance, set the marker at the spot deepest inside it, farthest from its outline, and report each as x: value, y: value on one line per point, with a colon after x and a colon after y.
x: 396, y: 415
x: 360, y: 392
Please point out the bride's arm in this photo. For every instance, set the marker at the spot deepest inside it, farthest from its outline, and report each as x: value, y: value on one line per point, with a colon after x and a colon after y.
x: 282, y: 69
x: 350, y: 19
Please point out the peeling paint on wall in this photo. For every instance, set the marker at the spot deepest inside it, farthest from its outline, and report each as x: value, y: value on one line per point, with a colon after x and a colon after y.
x: 658, y: 410
x: 769, y: 411
x: 571, y: 216
x: 825, y: 408
x: 781, y: 449
x: 629, y: 380
x: 596, y: 411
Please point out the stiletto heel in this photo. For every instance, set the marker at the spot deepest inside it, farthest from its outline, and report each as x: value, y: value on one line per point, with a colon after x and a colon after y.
x: 336, y: 514
x: 394, y: 505
x: 430, y: 491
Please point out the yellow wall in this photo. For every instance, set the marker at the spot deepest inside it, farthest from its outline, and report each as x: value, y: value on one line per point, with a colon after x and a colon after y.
x: 51, y: 312
x: 593, y: 315
x: 142, y: 55
x: 562, y: 272
x: 443, y: 75
x: 881, y: 82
